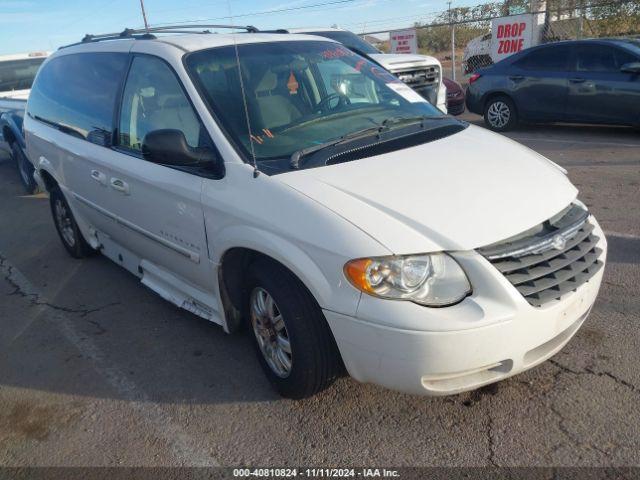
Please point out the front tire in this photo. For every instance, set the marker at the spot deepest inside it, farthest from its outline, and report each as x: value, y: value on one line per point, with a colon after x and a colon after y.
x: 25, y: 169
x: 67, y: 227
x: 500, y: 114
x: 293, y: 341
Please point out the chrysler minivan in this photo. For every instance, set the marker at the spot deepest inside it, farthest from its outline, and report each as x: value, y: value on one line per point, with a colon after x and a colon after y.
x: 288, y: 185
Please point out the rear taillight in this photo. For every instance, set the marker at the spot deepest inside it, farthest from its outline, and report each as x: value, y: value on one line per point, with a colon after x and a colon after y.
x: 474, y: 77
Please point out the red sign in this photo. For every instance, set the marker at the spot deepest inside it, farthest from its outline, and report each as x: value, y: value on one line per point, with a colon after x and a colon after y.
x: 404, y: 41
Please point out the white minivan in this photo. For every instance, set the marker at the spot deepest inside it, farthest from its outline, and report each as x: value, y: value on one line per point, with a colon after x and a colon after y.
x: 285, y: 183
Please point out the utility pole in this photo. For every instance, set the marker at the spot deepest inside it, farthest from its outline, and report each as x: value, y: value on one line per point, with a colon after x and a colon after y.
x: 453, y: 44
x: 144, y: 15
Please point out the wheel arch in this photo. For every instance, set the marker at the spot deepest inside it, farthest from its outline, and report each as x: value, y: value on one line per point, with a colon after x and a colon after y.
x: 242, y: 247
x: 8, y: 134
x: 11, y: 131
x: 48, y: 179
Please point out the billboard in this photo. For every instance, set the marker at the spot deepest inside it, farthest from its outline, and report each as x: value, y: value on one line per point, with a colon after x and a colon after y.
x: 404, y: 41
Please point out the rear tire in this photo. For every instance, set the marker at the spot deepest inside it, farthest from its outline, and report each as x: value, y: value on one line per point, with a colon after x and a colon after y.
x: 25, y: 169
x: 284, y: 316
x: 67, y: 227
x: 500, y: 114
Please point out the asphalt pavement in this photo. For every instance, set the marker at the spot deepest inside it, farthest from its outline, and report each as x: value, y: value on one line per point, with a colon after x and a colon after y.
x: 97, y: 370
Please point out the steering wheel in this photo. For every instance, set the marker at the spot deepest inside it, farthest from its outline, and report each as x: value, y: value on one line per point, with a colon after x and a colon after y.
x: 324, y: 103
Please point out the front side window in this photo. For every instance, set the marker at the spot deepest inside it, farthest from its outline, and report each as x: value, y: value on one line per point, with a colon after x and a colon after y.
x: 298, y: 94
x: 153, y: 99
x: 546, y: 59
x: 18, y: 74
x: 76, y: 93
x: 601, y: 58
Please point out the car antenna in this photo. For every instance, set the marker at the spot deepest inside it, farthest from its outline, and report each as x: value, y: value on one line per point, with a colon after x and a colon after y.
x: 256, y: 172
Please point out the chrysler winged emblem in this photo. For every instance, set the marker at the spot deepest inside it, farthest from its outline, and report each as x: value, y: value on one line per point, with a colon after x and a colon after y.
x: 559, y: 242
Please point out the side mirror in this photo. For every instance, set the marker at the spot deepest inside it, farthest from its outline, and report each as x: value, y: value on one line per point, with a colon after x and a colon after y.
x: 632, y: 67
x: 169, y: 147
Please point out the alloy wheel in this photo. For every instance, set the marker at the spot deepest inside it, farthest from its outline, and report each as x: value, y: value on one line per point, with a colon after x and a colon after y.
x: 65, y: 223
x: 271, y: 332
x: 498, y: 114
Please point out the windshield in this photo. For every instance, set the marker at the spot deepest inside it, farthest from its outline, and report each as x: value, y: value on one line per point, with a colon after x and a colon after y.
x: 298, y: 94
x: 349, y: 40
x: 18, y: 74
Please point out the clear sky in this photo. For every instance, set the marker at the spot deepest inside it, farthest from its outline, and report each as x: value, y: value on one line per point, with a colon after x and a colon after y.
x: 32, y: 25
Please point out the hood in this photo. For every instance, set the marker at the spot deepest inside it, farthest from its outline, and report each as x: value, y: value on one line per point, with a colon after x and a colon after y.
x: 16, y: 94
x: 395, y: 62
x: 461, y: 192
x: 452, y: 86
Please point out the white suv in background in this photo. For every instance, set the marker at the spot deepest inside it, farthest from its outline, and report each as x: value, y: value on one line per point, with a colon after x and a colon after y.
x: 286, y: 183
x: 420, y: 72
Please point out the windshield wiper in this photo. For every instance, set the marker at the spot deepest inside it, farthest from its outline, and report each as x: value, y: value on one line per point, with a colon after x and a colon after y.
x: 294, y: 162
x: 393, y: 121
x: 360, y: 134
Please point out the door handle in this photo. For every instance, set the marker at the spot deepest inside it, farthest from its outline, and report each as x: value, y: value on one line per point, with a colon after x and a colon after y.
x: 577, y: 80
x: 120, y: 185
x: 99, y: 177
x: 516, y: 78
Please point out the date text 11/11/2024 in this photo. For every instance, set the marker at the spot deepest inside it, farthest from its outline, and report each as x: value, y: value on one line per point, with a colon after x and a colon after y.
x: 315, y: 472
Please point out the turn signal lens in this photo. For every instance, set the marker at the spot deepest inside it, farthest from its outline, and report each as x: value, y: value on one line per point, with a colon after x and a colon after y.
x: 433, y: 279
x: 356, y: 272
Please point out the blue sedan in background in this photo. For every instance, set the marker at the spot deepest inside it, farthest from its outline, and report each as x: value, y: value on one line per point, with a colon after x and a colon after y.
x: 582, y: 81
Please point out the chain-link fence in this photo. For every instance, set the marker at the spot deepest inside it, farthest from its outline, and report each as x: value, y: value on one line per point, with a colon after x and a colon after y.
x: 462, y: 38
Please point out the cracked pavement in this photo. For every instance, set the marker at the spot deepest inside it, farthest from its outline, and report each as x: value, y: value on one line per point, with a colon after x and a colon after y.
x: 97, y: 370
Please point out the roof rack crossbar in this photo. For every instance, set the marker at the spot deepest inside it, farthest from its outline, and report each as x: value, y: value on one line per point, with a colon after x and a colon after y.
x: 141, y: 32
x: 148, y: 33
x: 248, y: 28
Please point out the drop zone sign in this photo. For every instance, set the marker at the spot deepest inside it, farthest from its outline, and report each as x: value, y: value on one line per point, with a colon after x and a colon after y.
x: 513, y: 34
x: 404, y: 41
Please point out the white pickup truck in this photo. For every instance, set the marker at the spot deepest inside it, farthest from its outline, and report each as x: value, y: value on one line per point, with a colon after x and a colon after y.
x: 420, y: 72
x: 16, y: 76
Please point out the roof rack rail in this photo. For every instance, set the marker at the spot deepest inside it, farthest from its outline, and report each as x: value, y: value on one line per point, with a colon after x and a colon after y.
x: 148, y: 33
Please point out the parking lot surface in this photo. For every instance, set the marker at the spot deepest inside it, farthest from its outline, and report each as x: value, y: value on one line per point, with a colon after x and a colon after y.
x: 97, y: 370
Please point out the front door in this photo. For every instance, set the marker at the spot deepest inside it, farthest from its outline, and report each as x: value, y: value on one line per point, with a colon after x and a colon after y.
x: 159, y: 206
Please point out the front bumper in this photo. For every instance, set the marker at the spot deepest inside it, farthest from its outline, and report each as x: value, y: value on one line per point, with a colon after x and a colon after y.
x: 474, y: 102
x: 493, y: 334
x: 455, y: 107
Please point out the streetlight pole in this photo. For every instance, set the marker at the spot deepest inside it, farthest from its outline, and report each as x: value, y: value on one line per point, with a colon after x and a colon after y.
x: 144, y: 15
x: 453, y: 44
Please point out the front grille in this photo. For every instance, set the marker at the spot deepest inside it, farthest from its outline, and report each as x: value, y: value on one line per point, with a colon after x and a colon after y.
x: 559, y: 257
x: 420, y: 77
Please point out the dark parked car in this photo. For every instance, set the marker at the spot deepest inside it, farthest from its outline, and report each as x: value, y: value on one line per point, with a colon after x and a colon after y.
x: 455, y: 97
x: 584, y: 81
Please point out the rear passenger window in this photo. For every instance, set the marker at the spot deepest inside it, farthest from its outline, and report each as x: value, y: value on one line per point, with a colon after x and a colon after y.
x: 77, y: 94
x: 153, y: 99
x: 601, y: 58
x: 548, y: 59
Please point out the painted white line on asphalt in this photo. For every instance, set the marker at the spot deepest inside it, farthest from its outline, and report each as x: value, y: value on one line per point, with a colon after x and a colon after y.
x: 185, y: 449
x: 623, y: 235
x: 580, y: 142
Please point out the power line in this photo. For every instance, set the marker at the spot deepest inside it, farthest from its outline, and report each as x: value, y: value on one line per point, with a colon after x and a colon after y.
x: 264, y: 12
x: 422, y: 17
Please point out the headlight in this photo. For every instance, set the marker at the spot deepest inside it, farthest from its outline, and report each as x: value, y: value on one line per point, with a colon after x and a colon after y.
x: 434, y: 280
